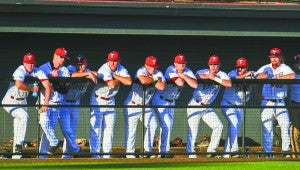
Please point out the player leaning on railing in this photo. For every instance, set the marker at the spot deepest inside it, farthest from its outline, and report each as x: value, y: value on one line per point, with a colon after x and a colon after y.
x: 274, y: 95
x: 16, y: 95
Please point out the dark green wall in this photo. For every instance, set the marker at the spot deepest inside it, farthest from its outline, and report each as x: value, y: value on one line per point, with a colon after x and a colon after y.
x: 134, y: 49
x: 136, y: 31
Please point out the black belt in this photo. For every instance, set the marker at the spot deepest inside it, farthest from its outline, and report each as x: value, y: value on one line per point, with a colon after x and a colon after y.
x: 168, y: 100
x: 133, y: 102
x: 201, y: 103
x: 274, y: 100
x: 71, y: 101
x: 295, y: 102
x: 12, y: 97
x: 103, y: 98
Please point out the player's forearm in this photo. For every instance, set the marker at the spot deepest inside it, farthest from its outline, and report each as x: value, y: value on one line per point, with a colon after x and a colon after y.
x: 288, y: 76
x: 160, y: 85
x: 113, y: 83
x: 145, y: 80
x: 262, y: 76
x: 124, y: 80
x: 47, y: 87
x: 22, y: 86
x: 191, y: 82
x: 77, y: 74
x: 226, y: 83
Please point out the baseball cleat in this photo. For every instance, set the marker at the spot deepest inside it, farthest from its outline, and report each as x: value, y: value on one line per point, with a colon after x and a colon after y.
x: 213, y: 156
x: 147, y: 155
x: 192, y: 156
x: 235, y: 155
x: 52, y: 150
x: 270, y: 155
x: 166, y: 155
x: 130, y: 156
x: 286, y: 154
x: 226, y: 156
x: 18, y: 149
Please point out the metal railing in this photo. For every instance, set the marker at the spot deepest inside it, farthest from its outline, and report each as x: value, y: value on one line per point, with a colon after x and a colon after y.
x: 251, y: 118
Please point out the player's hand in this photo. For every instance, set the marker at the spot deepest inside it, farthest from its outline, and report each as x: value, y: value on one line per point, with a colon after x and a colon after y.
x: 211, y: 76
x: 35, y: 88
x: 180, y: 82
x: 203, y: 76
x: 262, y: 76
x: 93, y: 77
x: 181, y: 74
x: 54, y: 73
x: 44, y: 108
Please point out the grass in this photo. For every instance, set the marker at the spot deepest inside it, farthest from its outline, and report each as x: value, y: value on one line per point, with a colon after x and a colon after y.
x: 144, y: 164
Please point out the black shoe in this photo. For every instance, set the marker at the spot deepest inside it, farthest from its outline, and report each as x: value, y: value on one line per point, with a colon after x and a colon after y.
x: 286, y: 154
x: 270, y: 155
x: 235, y: 155
x: 52, y: 150
x: 78, y: 154
x: 167, y: 155
x: 147, y: 155
x: 214, y: 155
x: 18, y: 149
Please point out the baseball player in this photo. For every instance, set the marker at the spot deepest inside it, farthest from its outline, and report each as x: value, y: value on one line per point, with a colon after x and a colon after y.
x: 178, y: 74
x: 203, y: 96
x: 16, y: 95
x: 234, y: 96
x: 103, y: 118
x: 274, y: 95
x: 294, y: 109
x: 148, y: 79
x: 48, y: 119
x: 68, y: 117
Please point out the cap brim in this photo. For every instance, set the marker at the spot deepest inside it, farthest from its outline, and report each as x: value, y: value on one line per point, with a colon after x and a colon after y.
x: 240, y: 66
x: 275, y: 55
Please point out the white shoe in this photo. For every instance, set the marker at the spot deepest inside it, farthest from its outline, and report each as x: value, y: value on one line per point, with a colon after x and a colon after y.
x: 192, y: 156
x: 106, y: 156
x: 130, y: 156
x: 235, y: 155
x: 226, y: 156
x: 152, y: 156
x: 16, y: 156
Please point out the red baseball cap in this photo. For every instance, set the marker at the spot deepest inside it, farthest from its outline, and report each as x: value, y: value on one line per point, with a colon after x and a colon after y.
x: 81, y: 60
x: 275, y: 52
x: 241, y: 62
x: 296, y: 58
x: 113, y: 56
x: 151, y: 61
x: 29, y: 58
x: 61, y: 52
x: 180, y: 59
x: 214, y: 60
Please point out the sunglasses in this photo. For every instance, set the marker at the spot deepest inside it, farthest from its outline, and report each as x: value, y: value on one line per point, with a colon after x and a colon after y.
x: 240, y: 68
x: 62, y: 57
x: 82, y: 64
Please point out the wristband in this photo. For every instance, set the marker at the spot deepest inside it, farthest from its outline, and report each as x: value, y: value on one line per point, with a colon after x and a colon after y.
x: 154, y: 78
x: 218, y: 80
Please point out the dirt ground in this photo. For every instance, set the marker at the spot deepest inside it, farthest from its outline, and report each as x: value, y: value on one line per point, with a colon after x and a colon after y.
x: 180, y: 155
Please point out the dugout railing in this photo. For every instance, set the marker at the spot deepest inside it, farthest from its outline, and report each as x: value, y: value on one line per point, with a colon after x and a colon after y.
x: 250, y: 138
